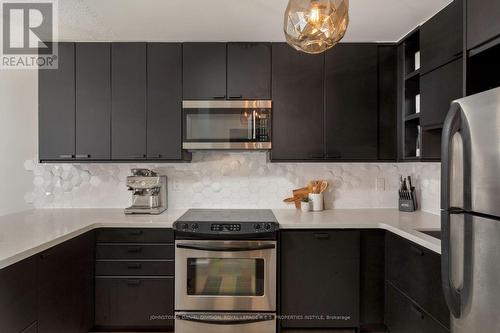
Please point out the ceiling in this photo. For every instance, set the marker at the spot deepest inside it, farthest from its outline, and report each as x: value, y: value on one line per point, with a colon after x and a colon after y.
x: 226, y: 20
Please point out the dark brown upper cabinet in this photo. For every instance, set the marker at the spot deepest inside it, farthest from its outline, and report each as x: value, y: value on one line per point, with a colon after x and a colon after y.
x: 441, y: 37
x: 93, y: 101
x: 351, y: 94
x: 164, y: 110
x: 387, y: 102
x: 483, y: 22
x: 298, y: 104
x: 204, y: 71
x: 437, y: 90
x: 128, y: 124
x: 249, y: 70
x: 56, y: 107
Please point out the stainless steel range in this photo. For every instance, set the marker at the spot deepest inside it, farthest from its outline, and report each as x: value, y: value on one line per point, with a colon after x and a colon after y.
x: 225, y: 271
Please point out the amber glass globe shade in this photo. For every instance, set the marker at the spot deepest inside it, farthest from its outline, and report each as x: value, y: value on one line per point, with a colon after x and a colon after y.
x: 314, y: 26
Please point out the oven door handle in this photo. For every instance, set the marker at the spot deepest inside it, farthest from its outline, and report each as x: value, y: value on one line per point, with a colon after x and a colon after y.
x: 212, y: 248
x: 225, y: 322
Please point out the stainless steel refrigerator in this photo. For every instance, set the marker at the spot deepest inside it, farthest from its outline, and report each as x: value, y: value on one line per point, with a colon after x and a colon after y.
x: 470, y: 213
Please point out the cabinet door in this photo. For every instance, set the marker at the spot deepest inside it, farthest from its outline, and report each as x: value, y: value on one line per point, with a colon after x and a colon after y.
x: 437, y: 90
x: 249, y: 70
x: 320, y: 277
x: 483, y: 21
x: 128, y: 92
x: 387, y: 103
x: 204, y: 70
x: 297, y: 91
x: 129, y: 303
x: 18, y: 301
x: 65, y: 290
x: 56, y: 107
x: 164, y: 129
x: 441, y: 38
x: 352, y: 102
x: 93, y: 101
x: 403, y: 316
x: 417, y: 273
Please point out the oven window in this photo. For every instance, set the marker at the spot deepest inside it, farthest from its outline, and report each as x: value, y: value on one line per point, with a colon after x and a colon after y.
x: 225, y: 277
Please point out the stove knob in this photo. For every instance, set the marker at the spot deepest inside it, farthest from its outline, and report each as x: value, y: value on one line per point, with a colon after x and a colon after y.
x: 185, y: 226
x: 194, y: 226
x: 267, y: 226
x: 256, y: 226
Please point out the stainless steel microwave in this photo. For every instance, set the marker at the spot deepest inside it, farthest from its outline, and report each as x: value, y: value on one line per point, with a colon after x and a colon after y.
x: 221, y: 124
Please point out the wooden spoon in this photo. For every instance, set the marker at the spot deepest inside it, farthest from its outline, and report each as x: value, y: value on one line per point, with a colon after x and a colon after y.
x: 323, y: 186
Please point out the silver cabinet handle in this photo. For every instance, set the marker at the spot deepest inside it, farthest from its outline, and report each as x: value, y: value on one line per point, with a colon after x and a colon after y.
x: 225, y: 322
x: 226, y: 249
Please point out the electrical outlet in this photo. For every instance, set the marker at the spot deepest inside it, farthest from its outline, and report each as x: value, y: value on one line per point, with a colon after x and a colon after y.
x: 176, y: 185
x: 380, y: 184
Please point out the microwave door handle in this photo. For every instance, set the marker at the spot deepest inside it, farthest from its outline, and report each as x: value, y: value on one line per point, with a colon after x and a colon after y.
x: 254, y: 125
x: 224, y: 321
x: 225, y: 248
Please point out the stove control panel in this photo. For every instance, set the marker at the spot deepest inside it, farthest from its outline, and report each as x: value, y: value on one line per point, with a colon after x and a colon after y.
x: 217, y: 228
x: 225, y: 227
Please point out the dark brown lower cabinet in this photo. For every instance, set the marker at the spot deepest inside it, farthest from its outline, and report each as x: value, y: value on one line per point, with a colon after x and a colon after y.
x: 134, y: 280
x: 416, y: 272
x: 18, y: 302
x: 404, y: 316
x: 320, y: 279
x: 139, y: 303
x: 65, y: 286
x: 33, y: 328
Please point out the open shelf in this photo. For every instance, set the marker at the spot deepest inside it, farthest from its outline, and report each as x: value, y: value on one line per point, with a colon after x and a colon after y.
x: 413, y: 75
x: 411, y: 46
x: 410, y: 89
x: 412, y: 117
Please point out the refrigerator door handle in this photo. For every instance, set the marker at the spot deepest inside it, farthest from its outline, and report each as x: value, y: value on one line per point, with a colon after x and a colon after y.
x: 451, y: 294
x: 451, y: 126
x: 455, y: 123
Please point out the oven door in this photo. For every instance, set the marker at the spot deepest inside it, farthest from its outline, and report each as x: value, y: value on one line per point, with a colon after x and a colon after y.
x: 225, y: 322
x: 225, y: 275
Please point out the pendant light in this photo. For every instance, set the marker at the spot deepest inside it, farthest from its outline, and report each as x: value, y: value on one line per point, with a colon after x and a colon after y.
x: 314, y: 26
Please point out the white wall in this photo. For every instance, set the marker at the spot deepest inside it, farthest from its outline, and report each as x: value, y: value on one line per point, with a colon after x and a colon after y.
x: 18, y: 136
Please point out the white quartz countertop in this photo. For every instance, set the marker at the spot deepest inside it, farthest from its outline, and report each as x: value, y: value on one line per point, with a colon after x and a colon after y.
x: 27, y: 233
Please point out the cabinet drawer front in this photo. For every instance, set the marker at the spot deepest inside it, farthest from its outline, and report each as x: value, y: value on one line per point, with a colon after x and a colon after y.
x: 417, y: 273
x: 135, y: 251
x: 134, y: 267
x: 405, y: 317
x: 134, y: 303
x: 131, y: 235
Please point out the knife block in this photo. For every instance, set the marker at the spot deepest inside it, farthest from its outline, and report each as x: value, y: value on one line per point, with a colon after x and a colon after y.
x: 408, y: 205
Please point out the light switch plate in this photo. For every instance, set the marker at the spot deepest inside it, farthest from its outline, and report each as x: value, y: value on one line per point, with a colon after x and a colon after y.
x: 176, y: 185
